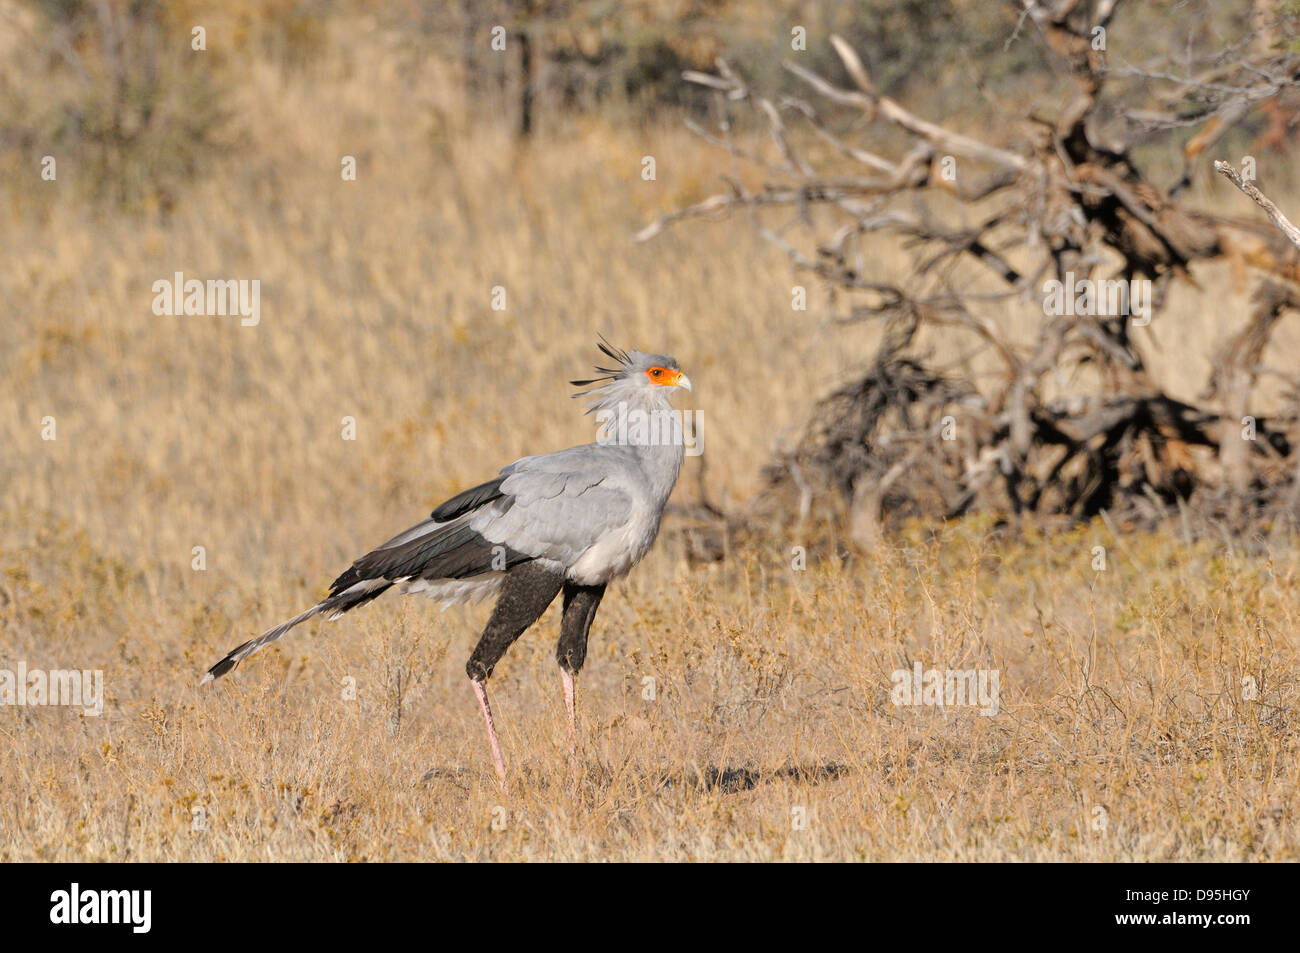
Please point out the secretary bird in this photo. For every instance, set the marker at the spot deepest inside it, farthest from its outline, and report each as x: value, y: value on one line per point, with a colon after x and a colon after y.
x: 571, y: 520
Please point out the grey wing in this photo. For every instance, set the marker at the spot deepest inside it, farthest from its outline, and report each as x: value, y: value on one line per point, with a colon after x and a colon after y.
x: 560, y: 504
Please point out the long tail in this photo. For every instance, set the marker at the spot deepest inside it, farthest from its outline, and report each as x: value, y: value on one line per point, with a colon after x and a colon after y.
x: 241, y: 652
x: 441, y: 547
x: 357, y: 594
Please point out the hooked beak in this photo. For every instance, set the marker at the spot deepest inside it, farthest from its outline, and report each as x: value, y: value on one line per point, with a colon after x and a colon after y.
x: 683, y: 381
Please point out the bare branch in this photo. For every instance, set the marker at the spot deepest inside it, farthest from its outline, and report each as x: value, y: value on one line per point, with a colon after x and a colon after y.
x: 872, y: 102
x: 1272, y: 211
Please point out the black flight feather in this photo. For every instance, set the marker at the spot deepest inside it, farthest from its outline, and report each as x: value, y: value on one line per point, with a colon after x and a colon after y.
x: 470, y: 499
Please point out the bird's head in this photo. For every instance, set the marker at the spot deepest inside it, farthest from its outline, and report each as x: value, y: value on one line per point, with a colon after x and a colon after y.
x: 637, y: 377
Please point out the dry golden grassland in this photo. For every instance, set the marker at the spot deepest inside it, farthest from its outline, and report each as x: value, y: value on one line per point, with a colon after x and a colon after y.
x: 1123, y: 730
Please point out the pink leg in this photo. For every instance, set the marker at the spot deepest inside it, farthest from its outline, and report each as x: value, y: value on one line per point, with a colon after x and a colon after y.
x: 480, y: 692
x: 571, y: 704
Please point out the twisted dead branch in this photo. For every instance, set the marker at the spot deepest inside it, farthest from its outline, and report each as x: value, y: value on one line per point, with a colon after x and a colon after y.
x: 1061, y: 204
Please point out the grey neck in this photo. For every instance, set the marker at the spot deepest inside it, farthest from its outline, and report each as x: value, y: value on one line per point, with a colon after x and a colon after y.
x: 649, y: 427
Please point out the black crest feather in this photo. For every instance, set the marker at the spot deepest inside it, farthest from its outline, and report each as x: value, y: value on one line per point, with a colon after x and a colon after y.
x: 610, y: 350
x: 606, y: 373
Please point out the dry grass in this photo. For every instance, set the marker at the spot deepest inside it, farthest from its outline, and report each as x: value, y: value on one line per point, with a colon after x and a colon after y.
x: 1121, y: 690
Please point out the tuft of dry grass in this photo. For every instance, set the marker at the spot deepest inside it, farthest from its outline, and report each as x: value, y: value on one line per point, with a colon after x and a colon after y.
x: 734, y: 711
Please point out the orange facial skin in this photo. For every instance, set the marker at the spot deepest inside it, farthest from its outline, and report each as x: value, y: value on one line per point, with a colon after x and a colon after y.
x: 664, y: 376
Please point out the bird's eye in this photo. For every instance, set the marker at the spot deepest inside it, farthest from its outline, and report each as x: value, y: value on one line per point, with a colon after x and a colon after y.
x: 657, y: 372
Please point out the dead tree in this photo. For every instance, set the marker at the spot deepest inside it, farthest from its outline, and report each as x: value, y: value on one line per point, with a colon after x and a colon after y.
x: 1063, y: 201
